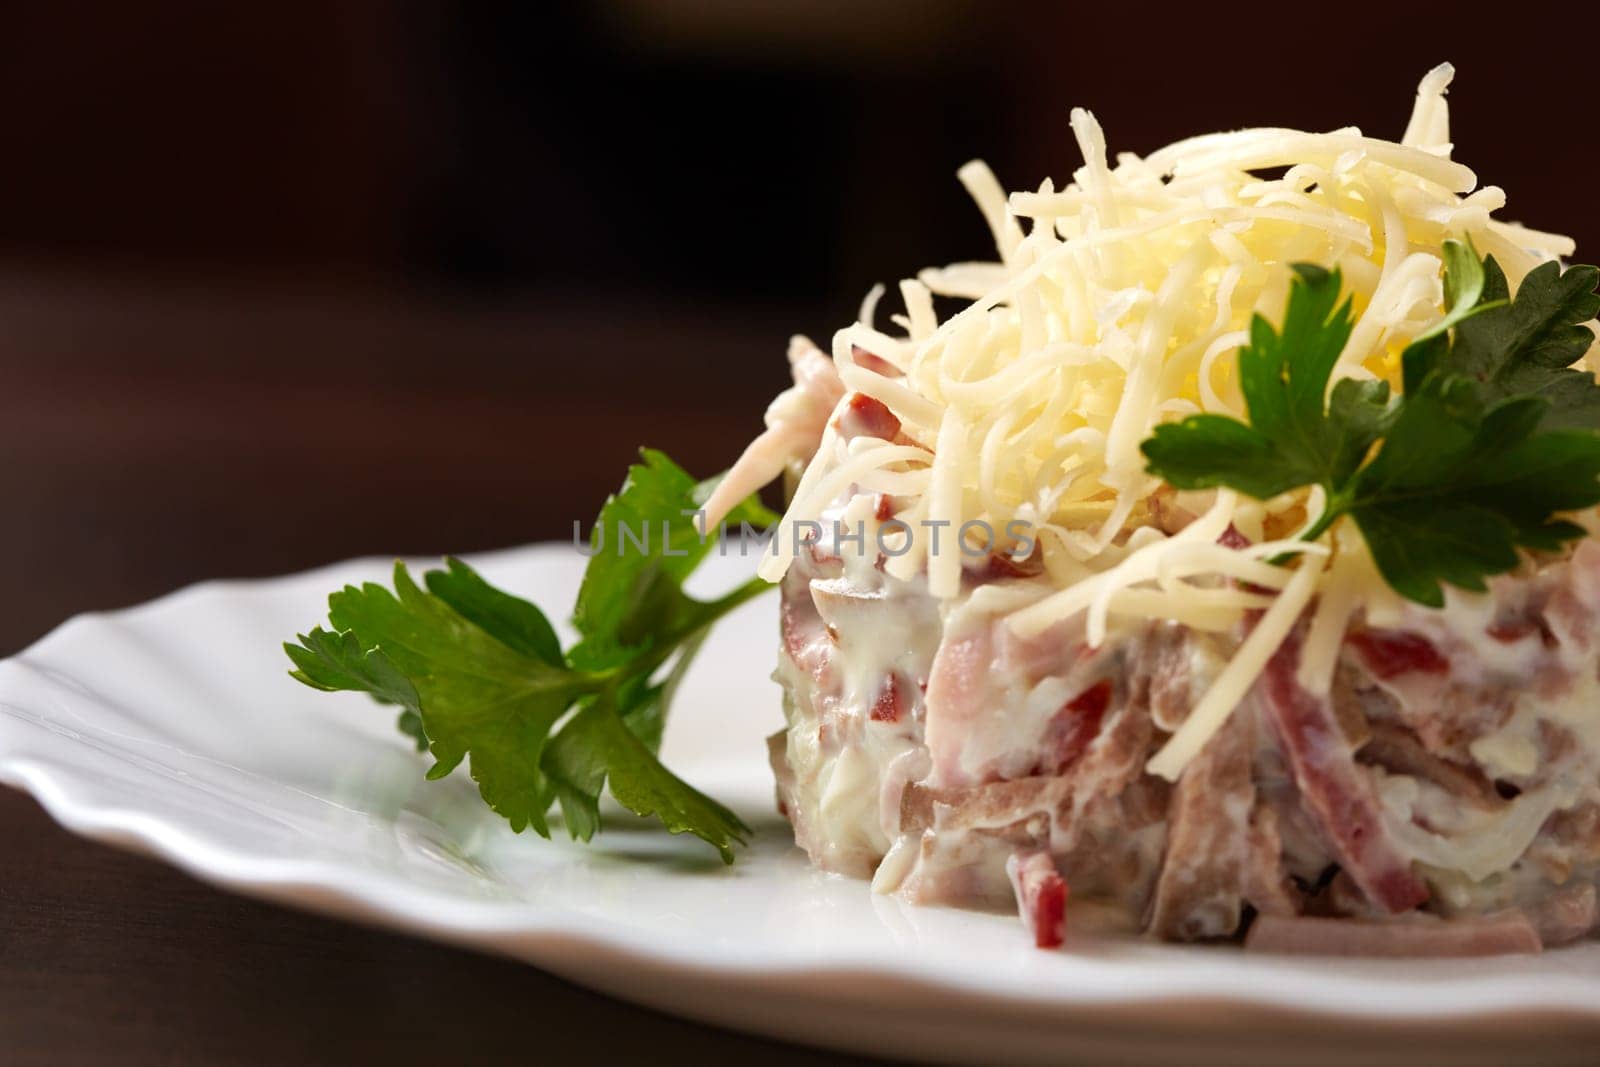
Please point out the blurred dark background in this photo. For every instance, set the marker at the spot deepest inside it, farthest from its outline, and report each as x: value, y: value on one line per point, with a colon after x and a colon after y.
x: 282, y: 283
x: 287, y: 282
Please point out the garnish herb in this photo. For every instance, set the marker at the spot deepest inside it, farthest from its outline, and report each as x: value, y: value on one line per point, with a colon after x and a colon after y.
x: 480, y: 675
x: 1493, y: 435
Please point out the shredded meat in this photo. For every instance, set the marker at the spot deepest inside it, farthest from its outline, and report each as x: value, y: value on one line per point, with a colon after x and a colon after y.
x: 970, y: 866
x: 1005, y: 768
x: 922, y: 808
x: 1333, y: 788
x: 1075, y: 726
x: 805, y: 634
x: 1567, y: 915
x: 1163, y: 657
x: 1115, y: 758
x: 1203, y: 878
x: 795, y: 422
x: 1399, y: 750
x: 874, y: 363
x: 866, y: 416
x: 1509, y: 933
x: 1041, y: 895
x: 1392, y: 653
x: 1266, y: 886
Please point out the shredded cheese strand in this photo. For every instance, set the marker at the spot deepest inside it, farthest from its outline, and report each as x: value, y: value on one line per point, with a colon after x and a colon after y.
x: 1238, y: 676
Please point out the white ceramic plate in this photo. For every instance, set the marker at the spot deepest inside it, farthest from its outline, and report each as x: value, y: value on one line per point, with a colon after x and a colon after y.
x: 173, y: 728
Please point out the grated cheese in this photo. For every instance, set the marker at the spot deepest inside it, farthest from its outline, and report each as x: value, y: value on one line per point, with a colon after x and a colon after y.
x: 1237, y: 677
x: 1116, y: 303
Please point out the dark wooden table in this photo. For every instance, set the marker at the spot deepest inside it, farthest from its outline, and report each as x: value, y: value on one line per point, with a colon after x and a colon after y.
x: 155, y: 433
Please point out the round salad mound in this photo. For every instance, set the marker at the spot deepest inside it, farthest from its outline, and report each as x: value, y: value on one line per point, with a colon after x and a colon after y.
x: 1223, y: 566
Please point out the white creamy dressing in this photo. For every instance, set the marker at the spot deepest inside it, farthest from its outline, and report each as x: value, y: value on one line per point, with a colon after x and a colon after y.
x: 1475, y: 842
x: 851, y: 776
x: 993, y: 726
x: 1550, y: 687
x: 848, y: 768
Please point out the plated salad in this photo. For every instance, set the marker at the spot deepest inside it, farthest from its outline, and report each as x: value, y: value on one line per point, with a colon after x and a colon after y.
x: 1218, y: 563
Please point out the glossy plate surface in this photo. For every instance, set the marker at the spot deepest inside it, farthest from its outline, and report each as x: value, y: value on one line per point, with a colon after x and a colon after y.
x: 172, y: 728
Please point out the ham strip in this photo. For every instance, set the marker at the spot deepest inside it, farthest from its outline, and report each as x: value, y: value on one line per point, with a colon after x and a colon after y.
x: 994, y: 804
x: 1399, y: 751
x: 805, y: 633
x: 1508, y: 933
x: 1266, y: 886
x: 1041, y: 896
x: 957, y: 700
x: 795, y: 422
x: 865, y: 416
x: 1199, y: 894
x: 1569, y: 915
x: 1333, y: 789
x: 1074, y: 726
x: 874, y: 363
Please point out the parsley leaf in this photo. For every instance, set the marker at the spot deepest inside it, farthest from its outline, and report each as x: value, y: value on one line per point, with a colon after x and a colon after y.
x: 1290, y: 440
x: 1492, y: 437
x: 599, y: 745
x: 644, y: 545
x: 1526, y: 346
x: 480, y: 674
x: 511, y: 620
x: 473, y: 692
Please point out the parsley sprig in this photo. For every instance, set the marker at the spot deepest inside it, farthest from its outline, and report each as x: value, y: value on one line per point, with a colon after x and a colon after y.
x: 480, y: 675
x: 1492, y: 437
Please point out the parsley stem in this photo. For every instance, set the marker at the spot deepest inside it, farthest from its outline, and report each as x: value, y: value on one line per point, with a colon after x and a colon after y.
x: 674, y: 638
x: 1330, y: 515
